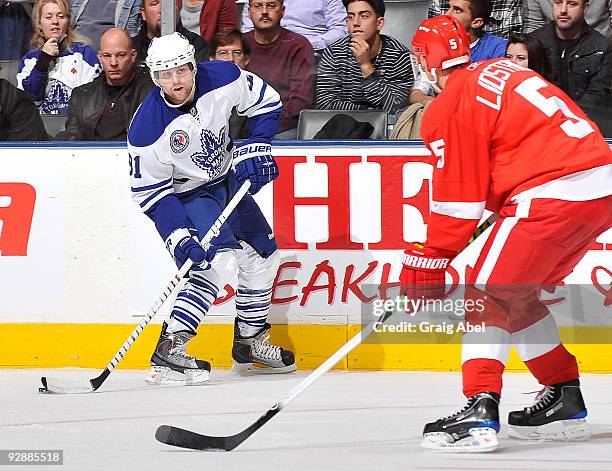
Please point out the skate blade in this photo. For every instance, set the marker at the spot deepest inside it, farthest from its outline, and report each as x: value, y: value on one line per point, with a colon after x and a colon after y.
x: 247, y: 369
x: 159, y: 375
x: 561, y: 430
x: 481, y: 440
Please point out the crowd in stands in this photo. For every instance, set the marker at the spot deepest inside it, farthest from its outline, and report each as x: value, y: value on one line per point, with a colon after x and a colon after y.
x: 84, y: 59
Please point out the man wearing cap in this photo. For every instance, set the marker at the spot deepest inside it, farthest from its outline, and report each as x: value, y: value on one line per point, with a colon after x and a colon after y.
x: 365, y: 70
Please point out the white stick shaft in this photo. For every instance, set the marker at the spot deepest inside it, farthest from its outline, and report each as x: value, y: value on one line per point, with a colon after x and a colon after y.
x: 328, y: 364
x: 344, y: 350
x: 176, y: 281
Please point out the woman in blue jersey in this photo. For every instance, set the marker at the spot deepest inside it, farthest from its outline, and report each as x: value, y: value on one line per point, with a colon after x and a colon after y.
x: 59, y: 60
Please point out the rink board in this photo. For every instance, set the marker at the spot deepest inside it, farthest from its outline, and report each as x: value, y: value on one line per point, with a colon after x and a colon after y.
x: 80, y: 264
x: 93, y: 345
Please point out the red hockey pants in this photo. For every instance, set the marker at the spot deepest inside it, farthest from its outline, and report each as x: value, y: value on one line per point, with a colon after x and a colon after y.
x: 533, y: 243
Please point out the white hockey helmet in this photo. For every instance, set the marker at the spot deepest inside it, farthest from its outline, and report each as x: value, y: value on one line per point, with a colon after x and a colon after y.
x: 167, y: 52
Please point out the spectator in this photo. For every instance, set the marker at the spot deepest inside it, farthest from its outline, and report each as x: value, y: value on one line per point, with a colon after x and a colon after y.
x: 283, y: 59
x: 92, y: 17
x: 151, y: 15
x: 322, y: 22
x: 473, y: 15
x: 206, y: 17
x: 102, y: 110
x: 580, y: 59
x: 19, y: 118
x: 231, y: 45
x: 505, y: 18
x: 536, y: 13
x: 527, y: 51
x: 365, y: 70
x: 15, y: 30
x: 60, y: 60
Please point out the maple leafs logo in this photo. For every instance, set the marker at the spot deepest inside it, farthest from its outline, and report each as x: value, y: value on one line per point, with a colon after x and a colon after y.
x: 56, y: 99
x: 210, y: 159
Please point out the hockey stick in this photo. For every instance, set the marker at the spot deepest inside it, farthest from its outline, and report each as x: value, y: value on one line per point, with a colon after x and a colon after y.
x: 182, y: 438
x: 65, y: 386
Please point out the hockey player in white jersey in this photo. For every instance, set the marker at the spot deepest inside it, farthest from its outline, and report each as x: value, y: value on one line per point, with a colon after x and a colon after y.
x: 184, y: 169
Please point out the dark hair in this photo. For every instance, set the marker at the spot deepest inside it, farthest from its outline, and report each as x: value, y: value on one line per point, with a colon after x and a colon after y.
x: 227, y: 36
x: 536, y: 52
x: 481, y: 9
x: 377, y: 5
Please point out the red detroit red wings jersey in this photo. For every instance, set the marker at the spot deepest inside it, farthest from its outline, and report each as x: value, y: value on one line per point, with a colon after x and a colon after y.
x: 503, y: 134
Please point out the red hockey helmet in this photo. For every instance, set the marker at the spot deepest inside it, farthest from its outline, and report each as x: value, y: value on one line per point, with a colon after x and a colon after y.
x: 442, y: 41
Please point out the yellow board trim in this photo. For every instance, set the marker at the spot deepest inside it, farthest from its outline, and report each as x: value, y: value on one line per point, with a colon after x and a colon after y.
x: 93, y: 345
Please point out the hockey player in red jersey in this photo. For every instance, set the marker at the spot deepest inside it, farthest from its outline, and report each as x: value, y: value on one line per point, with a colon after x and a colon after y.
x: 508, y: 141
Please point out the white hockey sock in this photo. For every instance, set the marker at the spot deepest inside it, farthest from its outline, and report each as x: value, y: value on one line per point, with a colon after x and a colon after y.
x: 248, y: 330
x: 253, y: 295
x: 174, y: 326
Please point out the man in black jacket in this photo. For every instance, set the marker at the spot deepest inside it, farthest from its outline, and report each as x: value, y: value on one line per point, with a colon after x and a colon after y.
x: 102, y: 110
x: 19, y: 118
x: 580, y: 59
x: 151, y: 28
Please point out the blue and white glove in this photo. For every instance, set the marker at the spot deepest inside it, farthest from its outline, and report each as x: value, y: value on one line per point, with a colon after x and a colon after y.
x: 255, y: 162
x: 183, y: 244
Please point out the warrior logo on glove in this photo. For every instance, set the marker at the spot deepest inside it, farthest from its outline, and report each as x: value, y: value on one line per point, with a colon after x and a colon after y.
x: 423, y: 271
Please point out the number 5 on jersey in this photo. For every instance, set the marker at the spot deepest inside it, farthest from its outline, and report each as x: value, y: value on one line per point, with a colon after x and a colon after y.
x: 437, y: 148
x: 574, y: 126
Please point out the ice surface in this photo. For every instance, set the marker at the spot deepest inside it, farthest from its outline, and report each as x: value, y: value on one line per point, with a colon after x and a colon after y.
x: 346, y: 421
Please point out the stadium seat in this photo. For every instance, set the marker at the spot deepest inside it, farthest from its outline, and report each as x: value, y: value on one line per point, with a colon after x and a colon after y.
x: 54, y: 123
x: 403, y: 17
x: 8, y: 71
x: 311, y: 121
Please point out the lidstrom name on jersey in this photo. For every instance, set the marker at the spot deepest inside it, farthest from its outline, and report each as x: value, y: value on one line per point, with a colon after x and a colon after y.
x: 493, y: 80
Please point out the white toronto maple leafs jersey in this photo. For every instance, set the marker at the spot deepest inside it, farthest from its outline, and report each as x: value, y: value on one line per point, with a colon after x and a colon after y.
x: 175, y: 151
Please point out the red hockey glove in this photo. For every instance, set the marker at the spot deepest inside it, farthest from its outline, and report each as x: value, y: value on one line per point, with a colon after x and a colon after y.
x: 423, y: 272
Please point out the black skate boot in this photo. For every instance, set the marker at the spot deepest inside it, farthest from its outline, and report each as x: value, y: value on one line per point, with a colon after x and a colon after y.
x: 558, y: 413
x: 255, y: 354
x: 471, y: 430
x: 171, y: 365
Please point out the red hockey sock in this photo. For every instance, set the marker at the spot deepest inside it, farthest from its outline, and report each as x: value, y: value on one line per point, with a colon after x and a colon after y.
x: 482, y: 374
x: 556, y: 366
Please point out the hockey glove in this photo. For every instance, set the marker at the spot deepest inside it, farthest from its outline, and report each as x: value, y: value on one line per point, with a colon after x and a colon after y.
x: 183, y: 245
x: 423, y: 271
x: 255, y: 162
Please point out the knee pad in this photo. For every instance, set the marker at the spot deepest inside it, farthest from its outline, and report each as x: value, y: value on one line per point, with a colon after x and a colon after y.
x: 254, y: 271
x: 222, y: 270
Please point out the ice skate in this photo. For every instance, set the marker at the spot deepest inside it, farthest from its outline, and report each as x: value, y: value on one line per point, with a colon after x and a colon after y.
x: 471, y: 430
x: 255, y: 354
x: 171, y: 365
x: 559, y: 413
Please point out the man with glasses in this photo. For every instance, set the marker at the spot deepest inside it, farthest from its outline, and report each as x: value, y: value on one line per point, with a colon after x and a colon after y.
x: 184, y: 170
x: 231, y: 45
x: 322, y: 22
x: 283, y: 59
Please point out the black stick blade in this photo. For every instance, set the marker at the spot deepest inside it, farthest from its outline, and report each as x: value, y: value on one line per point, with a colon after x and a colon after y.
x: 186, y: 439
